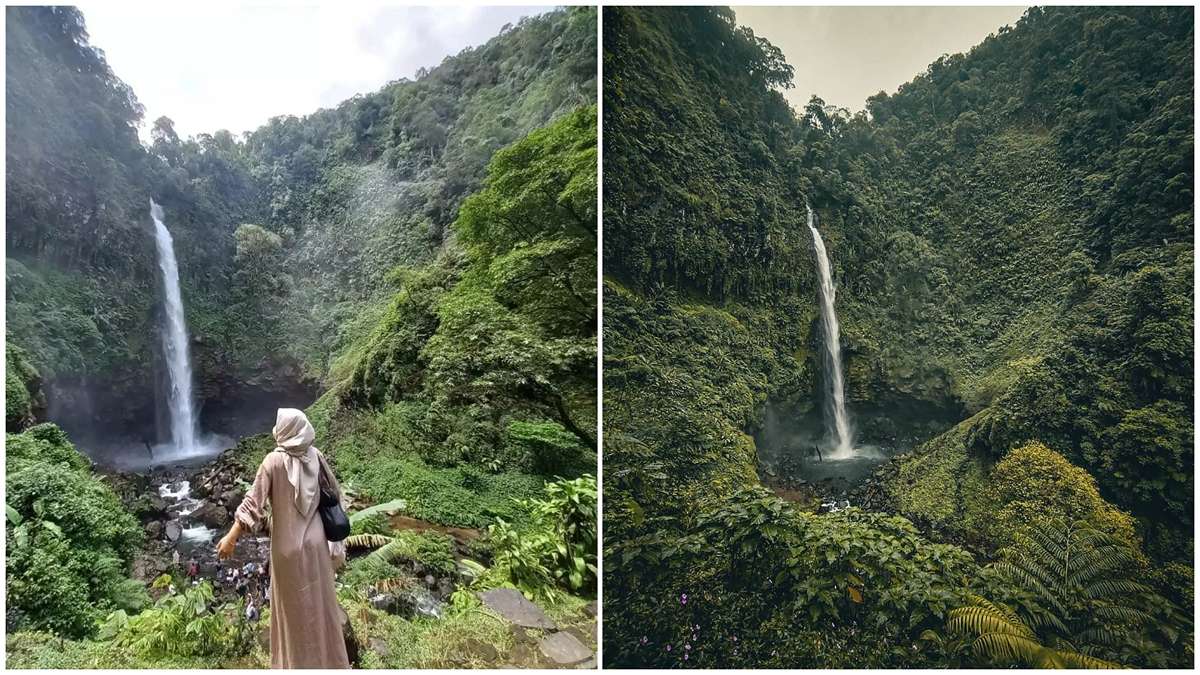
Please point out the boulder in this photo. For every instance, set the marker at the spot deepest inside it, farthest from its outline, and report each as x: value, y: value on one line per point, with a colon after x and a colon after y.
x: 510, y: 604
x: 211, y: 515
x: 564, y: 649
x: 155, y: 504
x: 380, y: 647
x: 481, y: 650
x: 415, y: 602
x: 384, y: 602
x: 173, y: 529
x: 154, y: 530
x: 232, y: 498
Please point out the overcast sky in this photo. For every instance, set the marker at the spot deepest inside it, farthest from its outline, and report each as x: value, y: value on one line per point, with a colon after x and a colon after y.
x: 845, y: 54
x: 215, y: 66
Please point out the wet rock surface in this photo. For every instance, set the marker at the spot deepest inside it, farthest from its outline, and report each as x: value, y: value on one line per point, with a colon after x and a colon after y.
x: 184, y: 511
x: 510, y: 604
x: 540, y: 643
x: 564, y: 648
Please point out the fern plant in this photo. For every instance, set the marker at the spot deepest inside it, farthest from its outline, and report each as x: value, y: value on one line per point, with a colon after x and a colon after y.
x: 179, y: 624
x: 1082, y: 607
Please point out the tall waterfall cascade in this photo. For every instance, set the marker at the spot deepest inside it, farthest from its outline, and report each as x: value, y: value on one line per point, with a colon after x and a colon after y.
x: 175, y: 341
x: 837, y: 418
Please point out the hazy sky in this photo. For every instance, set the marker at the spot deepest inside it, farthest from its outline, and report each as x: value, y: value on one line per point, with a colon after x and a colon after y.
x: 845, y: 54
x: 215, y: 66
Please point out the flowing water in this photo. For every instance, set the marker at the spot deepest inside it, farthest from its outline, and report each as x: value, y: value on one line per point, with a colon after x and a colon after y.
x: 175, y: 342
x: 837, y: 419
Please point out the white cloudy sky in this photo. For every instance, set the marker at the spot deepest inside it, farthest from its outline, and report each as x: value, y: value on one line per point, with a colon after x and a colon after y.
x: 845, y: 54
x: 217, y: 66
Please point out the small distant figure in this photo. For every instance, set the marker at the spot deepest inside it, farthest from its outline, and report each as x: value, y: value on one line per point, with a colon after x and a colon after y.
x: 175, y: 557
x: 251, y: 612
x: 267, y: 596
x: 193, y: 569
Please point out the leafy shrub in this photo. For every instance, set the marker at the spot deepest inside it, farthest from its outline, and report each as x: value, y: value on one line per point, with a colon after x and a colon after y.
x: 522, y: 559
x: 1033, y: 485
x: 550, y: 446
x: 557, y: 548
x: 23, y: 389
x: 1075, y: 605
x: 70, y: 540
x: 755, y: 568
x: 181, y: 625
x: 45, y: 443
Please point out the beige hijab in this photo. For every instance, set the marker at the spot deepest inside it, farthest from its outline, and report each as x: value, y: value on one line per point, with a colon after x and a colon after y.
x: 294, y: 436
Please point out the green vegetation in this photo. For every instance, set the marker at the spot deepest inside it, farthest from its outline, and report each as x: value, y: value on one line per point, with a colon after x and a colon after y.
x: 557, y: 550
x: 1083, y: 610
x: 69, y: 540
x: 345, y: 194
x: 180, y: 625
x: 23, y: 397
x: 1011, y: 234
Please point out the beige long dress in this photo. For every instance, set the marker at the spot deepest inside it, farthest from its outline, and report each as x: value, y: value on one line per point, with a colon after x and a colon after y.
x: 306, y: 629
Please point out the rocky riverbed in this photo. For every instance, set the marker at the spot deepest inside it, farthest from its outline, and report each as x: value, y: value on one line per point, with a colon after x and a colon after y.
x: 184, y: 511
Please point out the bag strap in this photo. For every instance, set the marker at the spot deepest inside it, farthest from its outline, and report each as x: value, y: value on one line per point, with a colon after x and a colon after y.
x: 322, y: 478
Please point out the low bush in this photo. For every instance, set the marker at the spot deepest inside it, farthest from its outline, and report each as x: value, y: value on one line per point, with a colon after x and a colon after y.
x: 69, y: 539
x: 181, y: 624
x: 757, y: 582
x: 557, y: 549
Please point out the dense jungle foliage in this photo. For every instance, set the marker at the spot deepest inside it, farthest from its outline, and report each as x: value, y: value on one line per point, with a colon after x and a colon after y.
x: 424, y: 255
x: 286, y: 237
x: 1011, y: 235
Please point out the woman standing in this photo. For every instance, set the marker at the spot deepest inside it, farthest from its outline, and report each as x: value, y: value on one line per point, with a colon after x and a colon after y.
x: 306, y: 629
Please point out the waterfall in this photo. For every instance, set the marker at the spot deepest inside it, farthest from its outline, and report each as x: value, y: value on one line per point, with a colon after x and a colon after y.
x: 175, y: 341
x: 837, y: 420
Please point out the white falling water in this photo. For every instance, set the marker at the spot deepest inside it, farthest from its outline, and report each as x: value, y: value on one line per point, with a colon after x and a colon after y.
x: 175, y: 341
x: 837, y: 419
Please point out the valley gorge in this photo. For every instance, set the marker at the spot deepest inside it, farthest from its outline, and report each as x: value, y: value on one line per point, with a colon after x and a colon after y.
x: 1005, y: 232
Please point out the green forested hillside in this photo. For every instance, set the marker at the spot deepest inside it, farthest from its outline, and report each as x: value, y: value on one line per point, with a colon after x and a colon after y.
x: 351, y: 192
x: 419, y: 263
x: 1011, y: 235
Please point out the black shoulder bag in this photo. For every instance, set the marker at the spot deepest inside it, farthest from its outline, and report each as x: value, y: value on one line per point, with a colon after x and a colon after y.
x: 333, y: 516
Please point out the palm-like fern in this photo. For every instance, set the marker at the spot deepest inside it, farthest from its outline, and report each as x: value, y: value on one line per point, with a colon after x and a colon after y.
x: 378, y: 564
x: 361, y: 541
x: 1001, y: 635
x: 1082, y: 600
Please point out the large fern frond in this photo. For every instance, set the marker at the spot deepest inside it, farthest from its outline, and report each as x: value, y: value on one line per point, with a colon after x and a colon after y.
x: 361, y: 541
x: 1079, y: 660
x: 1122, y: 613
x: 1100, y: 561
x: 1035, y: 578
x: 987, y: 618
x: 1008, y: 648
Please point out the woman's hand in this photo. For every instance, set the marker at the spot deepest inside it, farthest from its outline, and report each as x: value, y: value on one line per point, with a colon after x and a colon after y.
x: 228, y: 542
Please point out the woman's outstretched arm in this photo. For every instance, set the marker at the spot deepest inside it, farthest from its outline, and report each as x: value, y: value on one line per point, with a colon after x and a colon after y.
x: 250, y: 512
